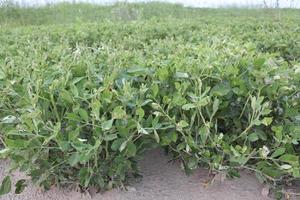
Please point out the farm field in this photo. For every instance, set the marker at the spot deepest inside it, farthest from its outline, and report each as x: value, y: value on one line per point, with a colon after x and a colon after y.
x: 86, y: 90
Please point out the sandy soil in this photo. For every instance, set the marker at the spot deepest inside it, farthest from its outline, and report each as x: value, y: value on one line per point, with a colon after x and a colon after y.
x: 162, y: 181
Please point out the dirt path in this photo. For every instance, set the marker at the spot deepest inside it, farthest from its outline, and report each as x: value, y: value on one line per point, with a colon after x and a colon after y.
x: 161, y: 181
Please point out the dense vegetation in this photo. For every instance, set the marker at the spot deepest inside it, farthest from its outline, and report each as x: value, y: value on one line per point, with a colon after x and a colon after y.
x: 80, y: 102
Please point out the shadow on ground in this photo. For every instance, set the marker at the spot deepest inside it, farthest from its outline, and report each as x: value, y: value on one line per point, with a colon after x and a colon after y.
x: 161, y: 180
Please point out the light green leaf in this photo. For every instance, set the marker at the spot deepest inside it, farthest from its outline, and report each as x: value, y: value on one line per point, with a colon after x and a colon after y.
x: 188, y: 106
x: 123, y: 146
x: 156, y: 136
x: 215, y: 106
x: 286, y: 167
x: 181, y: 75
x: 106, y: 125
x: 182, y: 124
x: 110, y: 137
x: 143, y: 131
x: 140, y: 112
x: 4, y: 153
x: 96, y: 105
x: 118, y: 113
x: 74, y: 159
x: 203, y: 101
x: 267, y: 121
x: 163, y: 74
x: 8, y: 119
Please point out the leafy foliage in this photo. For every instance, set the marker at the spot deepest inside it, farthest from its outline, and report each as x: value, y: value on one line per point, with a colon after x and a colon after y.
x: 80, y: 104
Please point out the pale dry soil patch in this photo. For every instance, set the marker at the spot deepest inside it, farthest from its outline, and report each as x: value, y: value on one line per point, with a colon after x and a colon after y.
x: 162, y: 180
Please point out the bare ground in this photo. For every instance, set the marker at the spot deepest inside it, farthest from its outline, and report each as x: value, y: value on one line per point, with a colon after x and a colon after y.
x: 161, y: 180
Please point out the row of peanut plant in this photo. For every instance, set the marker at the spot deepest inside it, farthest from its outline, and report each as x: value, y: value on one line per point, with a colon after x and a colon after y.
x: 80, y: 103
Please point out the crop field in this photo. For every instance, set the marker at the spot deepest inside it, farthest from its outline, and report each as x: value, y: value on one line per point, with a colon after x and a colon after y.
x: 86, y: 90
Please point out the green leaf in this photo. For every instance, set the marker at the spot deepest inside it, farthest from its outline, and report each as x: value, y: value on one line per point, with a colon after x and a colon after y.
x: 2, y: 74
x: 4, y: 153
x: 192, y: 163
x: 84, y: 175
x: 137, y: 71
x: 278, y: 132
x: 73, y: 135
x: 66, y: 97
x: 296, y: 172
x: 73, y: 117
x: 290, y: 158
x: 5, y: 186
x: 8, y: 119
x: 278, y: 152
x: 107, y: 125
x: 163, y: 74
x: 156, y: 136
x: 16, y: 143
x: 155, y: 106
x: 118, y: 113
x: 83, y: 114
x: 74, y: 159
x: 154, y: 89
x: 140, y: 112
x: 117, y: 143
x: 203, y: 132
x: 271, y: 171
x: 96, y: 105
x: 182, y: 124
x: 74, y: 90
x: 181, y: 75
x: 110, y: 137
x: 267, y: 121
x: 188, y: 106
x: 259, y: 62
x: 286, y: 167
x: 20, y: 186
x: 172, y: 136
x: 234, y: 173
x: 168, y: 138
x: 123, y: 146
x: 203, y: 101
x: 221, y: 89
x: 143, y: 131
x: 262, y: 135
x: 215, y: 106
x: 131, y: 149
x: 253, y: 137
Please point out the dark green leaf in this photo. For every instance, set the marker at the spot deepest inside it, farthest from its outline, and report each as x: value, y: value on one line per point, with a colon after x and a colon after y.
x: 5, y: 186
x: 20, y: 186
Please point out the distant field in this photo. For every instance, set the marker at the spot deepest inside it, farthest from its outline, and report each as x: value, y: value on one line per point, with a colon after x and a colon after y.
x: 85, y: 90
x: 72, y: 13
